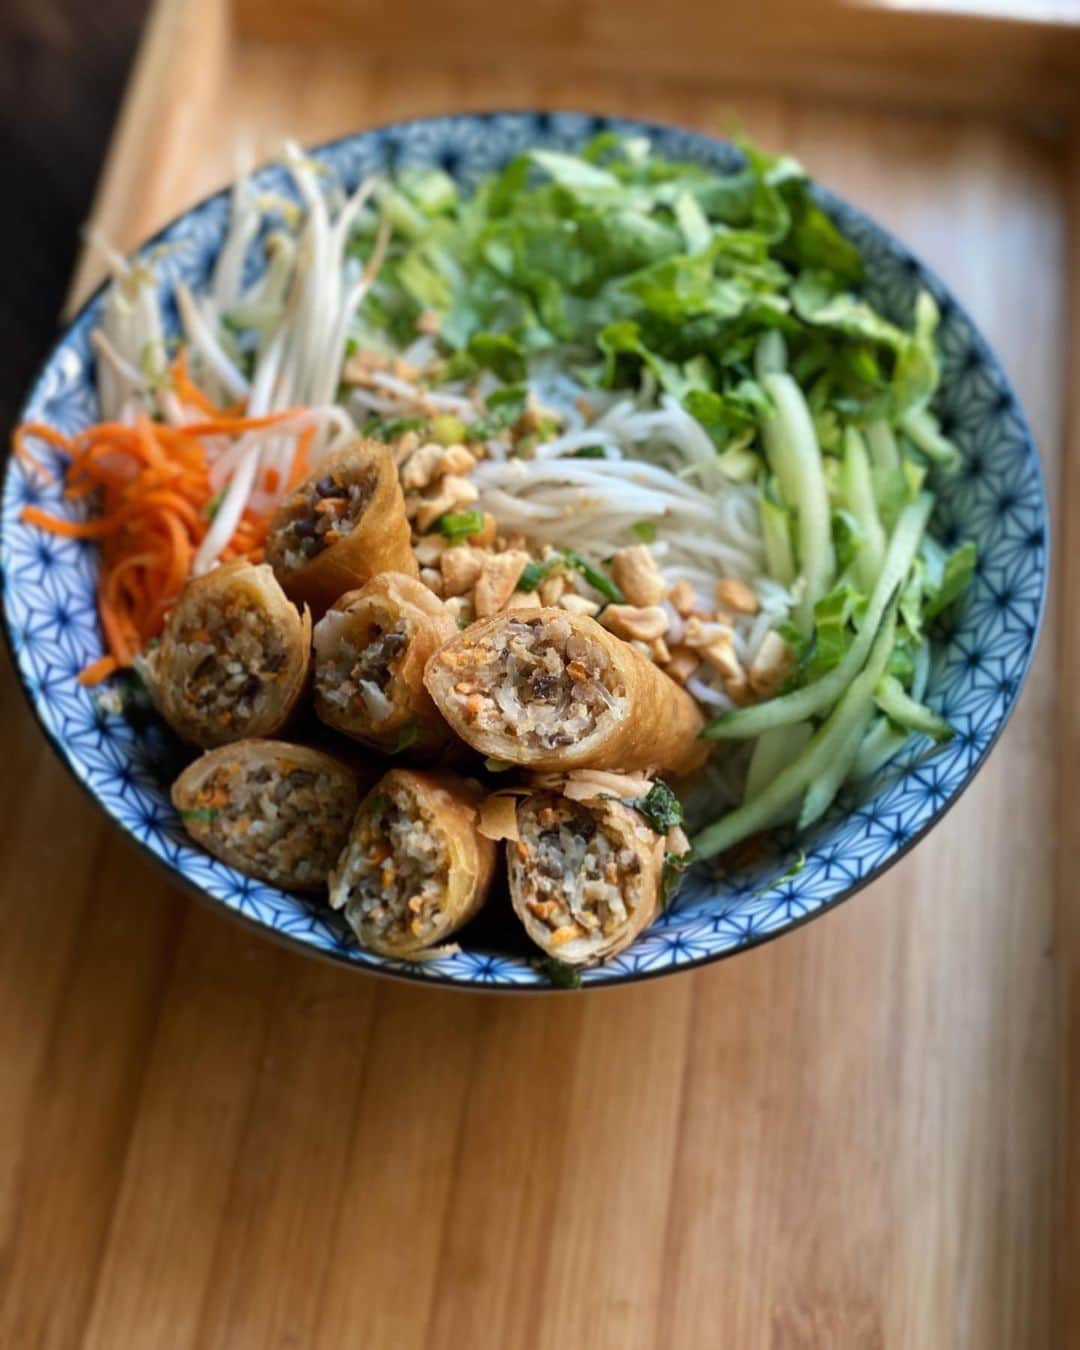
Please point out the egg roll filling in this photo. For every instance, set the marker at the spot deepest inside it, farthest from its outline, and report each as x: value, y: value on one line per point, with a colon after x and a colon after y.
x: 364, y: 672
x: 579, y: 876
x: 540, y: 682
x: 324, y: 510
x: 395, y: 872
x: 228, y: 653
x: 290, y: 825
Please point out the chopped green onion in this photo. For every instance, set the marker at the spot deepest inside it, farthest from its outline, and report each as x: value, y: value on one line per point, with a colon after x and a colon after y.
x: 459, y: 525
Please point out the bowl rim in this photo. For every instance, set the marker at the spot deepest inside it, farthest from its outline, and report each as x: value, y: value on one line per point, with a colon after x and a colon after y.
x: 402, y: 973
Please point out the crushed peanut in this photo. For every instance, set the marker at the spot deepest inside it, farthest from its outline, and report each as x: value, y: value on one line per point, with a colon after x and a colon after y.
x: 634, y: 622
x: 635, y: 573
x: 419, y: 469
x: 461, y: 566
x: 683, y: 599
x: 497, y: 581
x: 684, y: 661
x: 432, y: 579
x: 485, y: 536
x: 552, y: 588
x: 429, y: 549
x: 523, y: 600
x: 460, y: 609
x: 578, y: 604
x: 660, y: 653
x: 773, y: 663
x: 453, y: 494
x: 736, y: 595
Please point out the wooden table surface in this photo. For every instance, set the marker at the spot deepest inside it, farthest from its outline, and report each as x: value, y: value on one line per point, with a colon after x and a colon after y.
x: 843, y: 1139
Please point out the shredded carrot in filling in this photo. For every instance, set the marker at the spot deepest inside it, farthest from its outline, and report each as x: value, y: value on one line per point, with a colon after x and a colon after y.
x: 153, y: 482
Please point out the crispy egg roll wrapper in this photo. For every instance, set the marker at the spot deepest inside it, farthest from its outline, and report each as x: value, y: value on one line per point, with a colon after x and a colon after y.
x: 556, y: 691
x: 344, y: 524
x: 585, y: 872
x: 370, y: 652
x: 415, y: 868
x: 274, y: 811
x: 233, y: 658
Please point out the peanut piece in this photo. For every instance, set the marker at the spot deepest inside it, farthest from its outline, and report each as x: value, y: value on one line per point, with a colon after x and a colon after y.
x: 682, y: 598
x: 773, y: 663
x: 578, y: 604
x: 736, y: 595
x: 460, y: 567
x: 645, y: 624
x: 635, y: 573
x: 498, y: 579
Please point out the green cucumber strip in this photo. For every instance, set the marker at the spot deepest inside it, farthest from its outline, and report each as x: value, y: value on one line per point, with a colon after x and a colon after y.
x: 879, y: 745
x: 883, y: 450
x: 827, y: 742
x: 901, y: 708
x: 773, y: 750
x: 776, y: 536
x: 770, y: 354
x: 820, y: 793
x: 814, y: 699
x: 792, y: 451
x: 921, y: 427
x: 859, y: 496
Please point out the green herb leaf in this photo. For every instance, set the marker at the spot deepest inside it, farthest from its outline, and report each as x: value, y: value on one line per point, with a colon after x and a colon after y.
x: 497, y: 765
x: 589, y: 452
x: 596, y: 579
x: 950, y: 582
x: 660, y: 807
x: 199, y: 813
x: 534, y: 573
x: 645, y: 530
x: 793, y: 871
x: 675, y: 864
x: 558, y: 973
x: 406, y: 737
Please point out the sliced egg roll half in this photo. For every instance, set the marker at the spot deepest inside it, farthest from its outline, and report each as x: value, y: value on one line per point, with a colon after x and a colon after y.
x: 342, y: 525
x: 586, y: 868
x: 552, y: 690
x: 415, y: 868
x: 274, y: 811
x: 233, y: 658
x: 370, y: 652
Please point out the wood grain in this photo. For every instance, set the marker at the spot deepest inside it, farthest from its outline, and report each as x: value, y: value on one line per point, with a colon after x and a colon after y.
x: 843, y: 1139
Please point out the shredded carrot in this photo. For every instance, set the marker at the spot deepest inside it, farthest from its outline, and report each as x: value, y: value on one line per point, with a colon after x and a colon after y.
x: 99, y: 670
x: 42, y: 433
x: 154, y: 486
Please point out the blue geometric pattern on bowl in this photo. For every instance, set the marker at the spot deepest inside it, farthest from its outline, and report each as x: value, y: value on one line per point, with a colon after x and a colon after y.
x: 997, y: 499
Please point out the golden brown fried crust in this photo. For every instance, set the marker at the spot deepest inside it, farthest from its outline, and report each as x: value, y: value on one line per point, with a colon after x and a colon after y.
x: 655, y: 727
x: 378, y: 542
x: 385, y: 599
x: 452, y: 803
x: 172, y: 667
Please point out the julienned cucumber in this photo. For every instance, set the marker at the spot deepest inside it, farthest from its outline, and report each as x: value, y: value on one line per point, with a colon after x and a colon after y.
x: 794, y: 456
x: 900, y: 707
x: 859, y: 495
x: 814, y: 699
x: 830, y: 741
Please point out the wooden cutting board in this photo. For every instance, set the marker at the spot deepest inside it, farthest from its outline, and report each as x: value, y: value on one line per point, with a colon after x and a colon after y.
x: 857, y: 1136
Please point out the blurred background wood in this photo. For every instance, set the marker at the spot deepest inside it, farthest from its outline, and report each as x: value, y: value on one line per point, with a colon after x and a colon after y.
x: 843, y: 1139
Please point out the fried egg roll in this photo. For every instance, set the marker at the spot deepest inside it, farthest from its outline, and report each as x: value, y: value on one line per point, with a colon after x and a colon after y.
x: 370, y: 652
x: 233, y: 658
x: 344, y: 524
x: 553, y: 690
x: 275, y: 811
x: 416, y: 868
x: 585, y: 867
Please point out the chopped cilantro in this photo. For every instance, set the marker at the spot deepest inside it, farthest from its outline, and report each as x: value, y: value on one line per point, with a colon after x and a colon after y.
x: 558, y: 972
x: 660, y: 807
x: 497, y: 765
x: 645, y: 530
x: 406, y: 736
